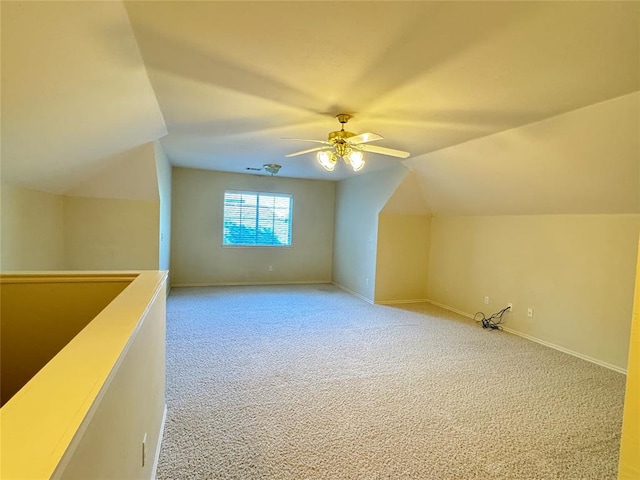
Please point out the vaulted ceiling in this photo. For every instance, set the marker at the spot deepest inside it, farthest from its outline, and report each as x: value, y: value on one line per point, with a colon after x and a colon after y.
x: 81, y: 80
x: 234, y: 78
x: 74, y: 91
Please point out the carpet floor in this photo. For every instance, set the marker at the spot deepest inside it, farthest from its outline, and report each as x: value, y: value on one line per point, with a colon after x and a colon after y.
x: 309, y: 382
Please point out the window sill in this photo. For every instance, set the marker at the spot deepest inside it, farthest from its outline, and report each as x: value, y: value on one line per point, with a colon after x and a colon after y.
x: 257, y: 246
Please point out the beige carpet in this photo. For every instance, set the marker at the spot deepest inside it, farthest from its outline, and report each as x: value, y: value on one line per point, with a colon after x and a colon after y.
x: 309, y: 382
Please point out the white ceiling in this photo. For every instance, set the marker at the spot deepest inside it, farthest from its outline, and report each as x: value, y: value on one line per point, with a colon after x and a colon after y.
x: 233, y: 78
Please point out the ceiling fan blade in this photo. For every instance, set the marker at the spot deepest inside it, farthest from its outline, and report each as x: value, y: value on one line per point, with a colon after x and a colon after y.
x: 306, y: 140
x: 384, y: 151
x: 305, y: 151
x: 364, y: 138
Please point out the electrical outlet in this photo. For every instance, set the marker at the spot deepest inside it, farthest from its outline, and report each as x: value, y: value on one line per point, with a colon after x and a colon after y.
x: 486, y: 300
x: 510, y: 305
x: 530, y: 312
x: 271, y: 268
x: 367, y: 281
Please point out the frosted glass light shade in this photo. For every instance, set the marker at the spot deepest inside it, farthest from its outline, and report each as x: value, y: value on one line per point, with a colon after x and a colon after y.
x: 356, y: 159
x: 327, y: 160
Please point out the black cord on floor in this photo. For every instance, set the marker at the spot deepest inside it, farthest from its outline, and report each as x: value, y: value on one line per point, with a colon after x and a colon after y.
x: 493, y: 322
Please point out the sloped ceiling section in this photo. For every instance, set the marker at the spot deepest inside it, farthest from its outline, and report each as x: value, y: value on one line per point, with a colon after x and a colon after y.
x: 233, y: 78
x: 583, y: 162
x: 74, y: 91
x: 129, y: 175
x: 408, y: 199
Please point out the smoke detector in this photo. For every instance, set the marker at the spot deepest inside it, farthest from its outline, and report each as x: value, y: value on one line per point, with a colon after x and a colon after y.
x: 272, y: 168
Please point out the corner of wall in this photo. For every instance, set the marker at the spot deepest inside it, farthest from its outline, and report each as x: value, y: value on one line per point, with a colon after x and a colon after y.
x: 359, y: 201
x: 31, y: 229
x: 129, y: 175
x: 402, y: 260
x: 112, y: 220
x: 164, y: 176
x: 629, y: 466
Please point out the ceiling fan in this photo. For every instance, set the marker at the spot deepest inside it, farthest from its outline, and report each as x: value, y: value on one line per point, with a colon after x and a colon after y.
x: 348, y: 146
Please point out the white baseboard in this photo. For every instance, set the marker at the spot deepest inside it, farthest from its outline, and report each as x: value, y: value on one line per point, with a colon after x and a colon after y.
x: 540, y: 341
x: 249, y: 284
x: 566, y: 350
x: 355, y: 294
x: 398, y: 302
x: 156, y: 457
x: 451, y: 309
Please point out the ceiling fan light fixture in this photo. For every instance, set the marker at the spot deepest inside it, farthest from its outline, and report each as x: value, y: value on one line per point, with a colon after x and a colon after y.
x: 356, y: 160
x: 327, y: 159
x: 342, y: 149
x: 349, y: 147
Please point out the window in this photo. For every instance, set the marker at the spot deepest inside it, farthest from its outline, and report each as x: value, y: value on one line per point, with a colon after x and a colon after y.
x: 257, y: 219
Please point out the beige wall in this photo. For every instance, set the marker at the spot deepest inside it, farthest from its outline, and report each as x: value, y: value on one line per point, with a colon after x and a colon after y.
x: 544, y: 216
x: 402, y: 266
x: 132, y: 407
x: 575, y: 271
x: 359, y: 200
x: 34, y: 332
x: 31, y: 235
x: 112, y: 219
x: 110, y: 234
x: 404, y: 236
x: 109, y: 221
x: 197, y: 254
x: 42, y: 231
x: 629, y: 468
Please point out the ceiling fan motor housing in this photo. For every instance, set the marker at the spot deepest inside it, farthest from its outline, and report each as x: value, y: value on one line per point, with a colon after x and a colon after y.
x: 338, y: 140
x: 339, y: 135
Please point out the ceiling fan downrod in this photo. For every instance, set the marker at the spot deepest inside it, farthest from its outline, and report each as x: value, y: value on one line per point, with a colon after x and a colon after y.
x: 339, y: 136
x: 343, y: 118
